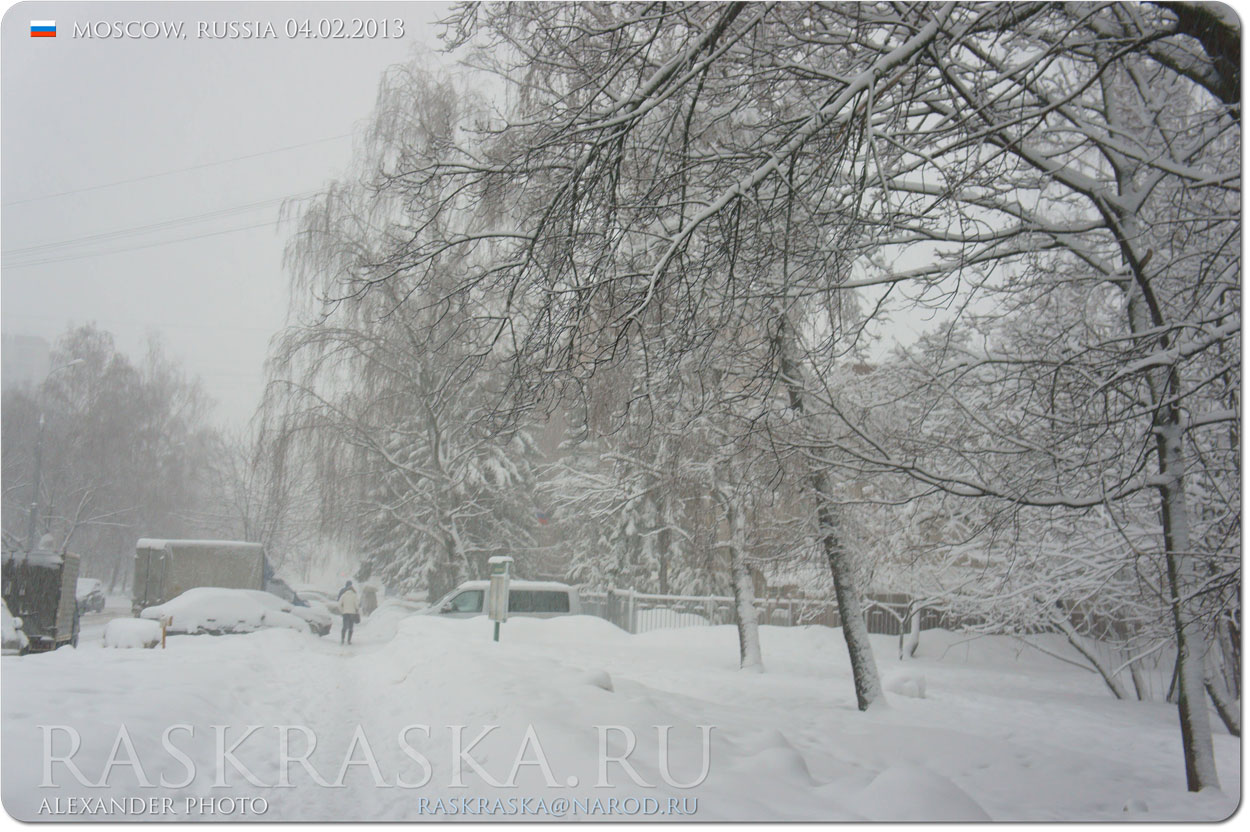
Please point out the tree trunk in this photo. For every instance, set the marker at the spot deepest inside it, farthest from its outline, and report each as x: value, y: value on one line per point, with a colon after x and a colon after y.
x: 854, y: 630
x: 1139, y: 683
x: 1191, y: 642
x: 1227, y: 656
x: 1172, y: 686
x: 116, y: 573
x: 665, y: 540
x: 863, y: 664
x: 1228, y: 711
x: 1191, y: 645
x: 1074, y: 638
x: 744, y: 593
x: 909, y: 639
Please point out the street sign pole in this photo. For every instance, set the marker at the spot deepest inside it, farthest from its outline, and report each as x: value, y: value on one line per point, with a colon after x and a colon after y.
x: 497, y: 595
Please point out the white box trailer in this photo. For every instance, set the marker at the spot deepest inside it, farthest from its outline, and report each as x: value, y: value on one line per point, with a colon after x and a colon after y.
x: 165, y: 569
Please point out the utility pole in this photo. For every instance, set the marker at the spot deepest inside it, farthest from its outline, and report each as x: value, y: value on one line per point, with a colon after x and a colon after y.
x: 32, y: 525
x: 33, y: 522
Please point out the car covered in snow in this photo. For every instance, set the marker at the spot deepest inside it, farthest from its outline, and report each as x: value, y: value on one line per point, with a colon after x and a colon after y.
x: 403, y: 602
x: 220, y: 611
x: 282, y: 589
x: 90, y: 595
x: 311, y: 609
x: 315, y: 613
x: 326, y: 599
x: 531, y: 599
x: 15, y: 641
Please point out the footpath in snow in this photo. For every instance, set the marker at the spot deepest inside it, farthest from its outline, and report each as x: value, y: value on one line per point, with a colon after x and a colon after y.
x: 974, y: 729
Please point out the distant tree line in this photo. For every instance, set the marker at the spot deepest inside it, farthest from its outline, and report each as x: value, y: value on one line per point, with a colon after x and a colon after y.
x: 121, y: 449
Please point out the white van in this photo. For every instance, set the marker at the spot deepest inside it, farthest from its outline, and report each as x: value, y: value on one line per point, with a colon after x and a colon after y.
x: 531, y: 599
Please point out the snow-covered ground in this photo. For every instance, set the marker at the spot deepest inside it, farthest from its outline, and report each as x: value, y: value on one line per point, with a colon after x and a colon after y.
x: 93, y: 624
x: 999, y: 733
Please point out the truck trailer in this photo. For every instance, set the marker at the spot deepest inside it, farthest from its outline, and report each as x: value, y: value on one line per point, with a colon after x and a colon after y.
x: 40, y: 587
x: 164, y: 569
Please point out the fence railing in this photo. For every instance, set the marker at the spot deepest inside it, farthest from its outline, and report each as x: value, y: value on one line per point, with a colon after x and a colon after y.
x: 884, y: 614
x: 639, y: 612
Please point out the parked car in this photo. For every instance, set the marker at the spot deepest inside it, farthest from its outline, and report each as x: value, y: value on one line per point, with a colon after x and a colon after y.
x: 403, y: 602
x: 308, y: 608
x: 312, y: 612
x: 282, y: 589
x: 532, y: 599
x: 15, y: 641
x: 219, y: 611
x: 90, y: 595
x: 325, y: 599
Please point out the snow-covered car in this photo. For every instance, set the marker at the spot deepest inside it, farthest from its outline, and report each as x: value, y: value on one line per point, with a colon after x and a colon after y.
x: 15, y: 641
x: 310, y: 609
x: 325, y: 599
x: 282, y: 589
x: 405, y: 603
x: 531, y: 599
x: 315, y: 613
x: 90, y: 595
x: 218, y: 611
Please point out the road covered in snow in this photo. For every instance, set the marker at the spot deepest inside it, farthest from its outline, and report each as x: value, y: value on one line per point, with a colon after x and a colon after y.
x: 400, y: 727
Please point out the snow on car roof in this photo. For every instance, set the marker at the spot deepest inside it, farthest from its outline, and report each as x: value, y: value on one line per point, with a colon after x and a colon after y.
x: 161, y: 543
x: 515, y: 584
x: 224, y: 609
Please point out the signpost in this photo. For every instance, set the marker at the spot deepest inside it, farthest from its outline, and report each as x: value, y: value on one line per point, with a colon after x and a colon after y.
x: 497, y: 595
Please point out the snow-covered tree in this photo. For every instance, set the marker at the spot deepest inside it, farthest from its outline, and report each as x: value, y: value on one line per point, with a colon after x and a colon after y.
x: 380, y: 381
x: 119, y: 449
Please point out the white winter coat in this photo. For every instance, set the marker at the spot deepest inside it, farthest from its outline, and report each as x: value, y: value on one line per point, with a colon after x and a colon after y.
x: 349, y: 602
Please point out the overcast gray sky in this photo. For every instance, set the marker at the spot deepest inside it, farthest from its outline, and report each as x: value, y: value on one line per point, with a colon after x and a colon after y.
x: 77, y: 113
x: 205, y: 136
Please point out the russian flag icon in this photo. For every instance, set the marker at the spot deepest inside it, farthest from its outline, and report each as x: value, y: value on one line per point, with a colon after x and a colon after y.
x: 43, y: 28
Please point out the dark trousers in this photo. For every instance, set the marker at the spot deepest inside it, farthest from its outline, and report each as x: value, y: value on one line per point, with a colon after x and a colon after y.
x: 349, y: 624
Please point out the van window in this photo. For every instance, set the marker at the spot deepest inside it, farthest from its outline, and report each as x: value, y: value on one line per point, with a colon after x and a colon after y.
x: 537, y: 600
x: 468, y: 601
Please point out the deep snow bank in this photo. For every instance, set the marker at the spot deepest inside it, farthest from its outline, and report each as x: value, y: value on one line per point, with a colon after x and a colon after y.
x: 1003, y: 733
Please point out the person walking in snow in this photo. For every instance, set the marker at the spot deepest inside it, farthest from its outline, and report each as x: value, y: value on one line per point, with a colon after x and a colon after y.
x: 349, y: 605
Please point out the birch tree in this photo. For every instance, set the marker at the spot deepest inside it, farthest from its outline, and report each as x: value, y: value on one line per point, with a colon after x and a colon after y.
x: 381, y: 382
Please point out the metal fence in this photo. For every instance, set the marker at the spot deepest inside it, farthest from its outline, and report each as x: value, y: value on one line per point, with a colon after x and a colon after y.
x: 639, y: 612
x: 884, y: 613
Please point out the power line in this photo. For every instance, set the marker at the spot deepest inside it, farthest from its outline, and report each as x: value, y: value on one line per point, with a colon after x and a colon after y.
x: 49, y: 260
x: 122, y: 233
x: 118, y: 322
x: 174, y: 171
